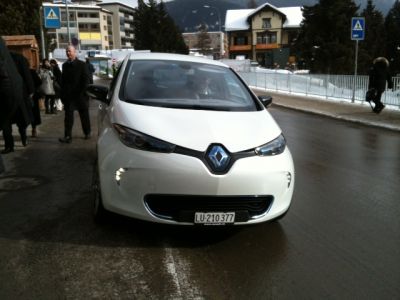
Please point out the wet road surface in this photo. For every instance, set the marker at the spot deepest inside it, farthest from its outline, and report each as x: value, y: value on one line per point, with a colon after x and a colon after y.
x: 340, y: 239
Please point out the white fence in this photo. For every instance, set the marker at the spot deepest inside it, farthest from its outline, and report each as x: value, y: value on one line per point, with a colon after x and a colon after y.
x: 334, y: 87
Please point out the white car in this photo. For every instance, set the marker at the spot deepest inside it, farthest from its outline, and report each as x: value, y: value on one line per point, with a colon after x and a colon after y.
x: 183, y: 140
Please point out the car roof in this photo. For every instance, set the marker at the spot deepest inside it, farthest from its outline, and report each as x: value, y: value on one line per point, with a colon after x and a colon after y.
x: 172, y: 56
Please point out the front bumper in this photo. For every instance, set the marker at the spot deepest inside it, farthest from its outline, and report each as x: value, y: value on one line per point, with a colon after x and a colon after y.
x: 130, y: 177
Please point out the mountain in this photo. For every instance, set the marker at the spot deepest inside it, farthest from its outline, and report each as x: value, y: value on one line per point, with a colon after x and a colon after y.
x: 189, y: 14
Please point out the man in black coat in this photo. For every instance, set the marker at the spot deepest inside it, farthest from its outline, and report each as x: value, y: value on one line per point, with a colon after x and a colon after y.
x: 74, y: 82
x: 379, y: 74
x: 11, y: 87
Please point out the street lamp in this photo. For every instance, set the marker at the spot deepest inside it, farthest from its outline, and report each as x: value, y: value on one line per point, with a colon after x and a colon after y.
x: 221, y: 47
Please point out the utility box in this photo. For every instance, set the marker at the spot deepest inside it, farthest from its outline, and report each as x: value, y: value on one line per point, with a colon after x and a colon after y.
x: 26, y: 45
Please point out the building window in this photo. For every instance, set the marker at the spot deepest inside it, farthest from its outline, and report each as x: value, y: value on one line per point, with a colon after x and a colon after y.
x: 89, y: 27
x: 266, y: 38
x: 72, y: 16
x: 240, y: 40
x: 266, y: 23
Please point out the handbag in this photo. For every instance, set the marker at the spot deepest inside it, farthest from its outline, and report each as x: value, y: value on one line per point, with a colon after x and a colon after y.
x: 370, y: 95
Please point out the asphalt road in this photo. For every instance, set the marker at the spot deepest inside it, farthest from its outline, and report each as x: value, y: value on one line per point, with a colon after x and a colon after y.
x: 340, y: 239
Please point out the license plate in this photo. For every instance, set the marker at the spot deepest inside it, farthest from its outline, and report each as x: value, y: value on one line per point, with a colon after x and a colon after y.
x: 214, y: 218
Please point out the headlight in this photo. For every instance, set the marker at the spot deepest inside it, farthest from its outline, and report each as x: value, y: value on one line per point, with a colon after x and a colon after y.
x: 275, y: 147
x: 138, y: 140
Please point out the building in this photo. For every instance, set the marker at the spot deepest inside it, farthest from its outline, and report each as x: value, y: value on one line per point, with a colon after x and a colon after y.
x: 263, y: 34
x: 93, y: 25
x: 87, y: 27
x: 122, y: 24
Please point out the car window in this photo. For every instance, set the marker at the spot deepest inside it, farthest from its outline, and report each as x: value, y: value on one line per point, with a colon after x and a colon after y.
x: 189, y: 85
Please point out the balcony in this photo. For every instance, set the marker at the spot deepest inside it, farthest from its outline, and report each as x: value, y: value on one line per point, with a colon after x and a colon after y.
x: 240, y: 48
x: 266, y: 46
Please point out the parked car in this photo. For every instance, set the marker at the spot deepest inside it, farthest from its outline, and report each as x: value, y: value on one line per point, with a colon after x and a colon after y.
x: 183, y: 140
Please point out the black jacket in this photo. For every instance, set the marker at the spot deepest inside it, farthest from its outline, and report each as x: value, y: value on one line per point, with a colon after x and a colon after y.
x: 379, y: 74
x: 74, y: 82
x: 10, y: 86
x: 24, y: 115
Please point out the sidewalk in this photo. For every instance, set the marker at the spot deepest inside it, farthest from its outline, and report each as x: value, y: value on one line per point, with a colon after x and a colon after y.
x: 353, y: 112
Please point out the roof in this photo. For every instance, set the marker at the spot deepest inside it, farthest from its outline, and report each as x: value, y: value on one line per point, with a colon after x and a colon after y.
x: 237, y: 19
x: 75, y: 6
x: 20, y: 40
x: 294, y: 16
x: 127, y: 3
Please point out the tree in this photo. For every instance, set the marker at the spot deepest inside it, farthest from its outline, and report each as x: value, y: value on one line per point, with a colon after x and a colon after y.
x: 371, y: 46
x: 20, y: 17
x: 324, y: 40
x: 252, y: 4
x: 155, y: 30
x: 392, y: 28
x: 203, y: 40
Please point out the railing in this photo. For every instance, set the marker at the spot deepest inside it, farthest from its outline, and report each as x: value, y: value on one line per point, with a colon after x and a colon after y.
x: 335, y: 87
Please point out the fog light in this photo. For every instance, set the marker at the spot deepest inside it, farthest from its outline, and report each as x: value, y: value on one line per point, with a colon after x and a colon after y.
x: 289, y: 178
x: 118, y: 175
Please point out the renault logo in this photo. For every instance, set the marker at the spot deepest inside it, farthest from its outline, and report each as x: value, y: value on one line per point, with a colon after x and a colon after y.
x: 218, y: 158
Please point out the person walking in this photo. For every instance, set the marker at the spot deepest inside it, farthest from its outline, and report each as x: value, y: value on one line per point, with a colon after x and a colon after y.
x: 11, y: 87
x: 23, y: 115
x: 56, y: 82
x: 91, y: 70
x: 47, y: 87
x: 74, y: 82
x: 37, y: 120
x: 379, y: 74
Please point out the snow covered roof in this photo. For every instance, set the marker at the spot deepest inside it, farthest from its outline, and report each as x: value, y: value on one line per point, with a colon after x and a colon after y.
x: 237, y: 19
x: 294, y: 16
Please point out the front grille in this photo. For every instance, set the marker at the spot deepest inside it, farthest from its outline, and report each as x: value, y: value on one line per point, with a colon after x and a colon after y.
x: 181, y: 208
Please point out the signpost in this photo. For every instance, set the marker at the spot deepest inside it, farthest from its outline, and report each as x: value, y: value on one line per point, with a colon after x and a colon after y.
x: 51, y: 17
x: 357, y: 34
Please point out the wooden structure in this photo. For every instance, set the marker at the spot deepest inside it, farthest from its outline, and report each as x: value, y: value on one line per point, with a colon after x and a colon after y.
x: 26, y: 45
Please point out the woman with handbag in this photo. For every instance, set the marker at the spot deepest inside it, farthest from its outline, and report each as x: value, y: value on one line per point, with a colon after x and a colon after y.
x: 47, y: 86
x: 57, y: 84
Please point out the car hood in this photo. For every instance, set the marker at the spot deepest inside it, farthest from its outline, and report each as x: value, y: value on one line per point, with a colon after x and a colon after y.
x: 197, y: 129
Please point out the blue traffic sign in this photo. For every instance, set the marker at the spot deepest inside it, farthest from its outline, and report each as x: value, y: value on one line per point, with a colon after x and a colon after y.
x: 357, y: 28
x: 51, y: 17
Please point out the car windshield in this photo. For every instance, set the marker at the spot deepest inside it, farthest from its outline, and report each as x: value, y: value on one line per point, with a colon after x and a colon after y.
x: 187, y: 85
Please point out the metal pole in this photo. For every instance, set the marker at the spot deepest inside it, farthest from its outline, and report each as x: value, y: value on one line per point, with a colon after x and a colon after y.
x: 42, y: 33
x: 68, y: 32
x: 355, y: 73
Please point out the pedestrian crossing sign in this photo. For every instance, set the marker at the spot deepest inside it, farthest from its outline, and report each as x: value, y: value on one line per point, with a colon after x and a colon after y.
x: 51, y: 17
x: 357, y: 28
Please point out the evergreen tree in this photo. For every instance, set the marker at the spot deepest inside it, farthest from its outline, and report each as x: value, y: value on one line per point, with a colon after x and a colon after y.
x: 252, y: 4
x: 20, y: 17
x: 155, y: 30
x: 324, y: 40
x: 371, y: 46
x: 392, y: 28
x: 203, y: 40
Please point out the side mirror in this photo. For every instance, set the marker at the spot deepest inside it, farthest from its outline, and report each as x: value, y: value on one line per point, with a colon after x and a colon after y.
x: 265, y: 100
x: 98, y: 92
